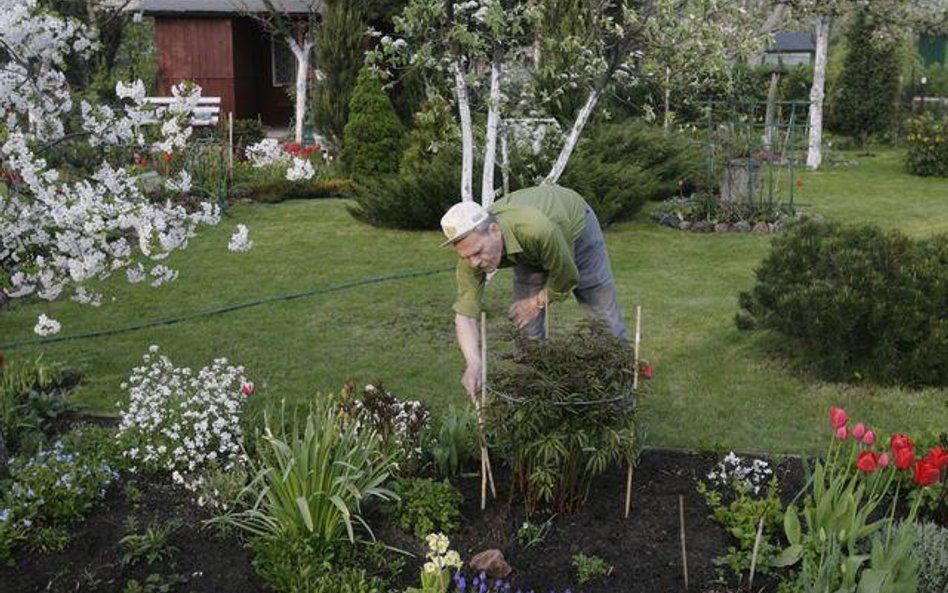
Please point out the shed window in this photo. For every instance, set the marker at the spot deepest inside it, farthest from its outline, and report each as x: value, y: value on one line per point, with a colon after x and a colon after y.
x: 283, y: 62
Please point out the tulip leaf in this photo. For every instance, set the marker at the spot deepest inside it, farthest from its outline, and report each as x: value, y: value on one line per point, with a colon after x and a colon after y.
x: 791, y: 525
x: 788, y: 557
x: 872, y: 580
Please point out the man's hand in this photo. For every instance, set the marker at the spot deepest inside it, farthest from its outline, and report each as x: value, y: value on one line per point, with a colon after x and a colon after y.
x: 524, y: 311
x: 471, y: 380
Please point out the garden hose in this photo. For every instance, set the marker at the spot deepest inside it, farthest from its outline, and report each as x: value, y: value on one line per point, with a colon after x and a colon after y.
x: 226, y: 309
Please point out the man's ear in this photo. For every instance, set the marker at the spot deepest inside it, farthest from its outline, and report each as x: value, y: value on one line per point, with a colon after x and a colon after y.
x: 494, y: 230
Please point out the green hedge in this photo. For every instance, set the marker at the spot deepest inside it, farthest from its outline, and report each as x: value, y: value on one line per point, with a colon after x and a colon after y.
x: 859, y: 302
x: 927, y: 138
x: 619, y: 167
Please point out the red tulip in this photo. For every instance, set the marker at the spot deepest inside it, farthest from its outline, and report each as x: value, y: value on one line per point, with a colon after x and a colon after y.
x: 926, y: 473
x: 904, y: 458
x: 869, y: 438
x: 858, y: 431
x: 646, y: 369
x: 3, y: 359
x: 841, y: 433
x: 838, y: 417
x: 800, y: 182
x: 937, y: 456
x: 867, y: 462
x: 900, y: 441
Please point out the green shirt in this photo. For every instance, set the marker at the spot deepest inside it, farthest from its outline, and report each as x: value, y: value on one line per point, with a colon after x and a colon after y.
x: 539, y: 227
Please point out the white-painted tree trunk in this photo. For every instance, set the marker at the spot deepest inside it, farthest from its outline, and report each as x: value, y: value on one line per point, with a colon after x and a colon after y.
x: 814, y: 155
x: 567, y: 151
x: 490, y: 140
x: 467, y: 133
x: 302, y: 68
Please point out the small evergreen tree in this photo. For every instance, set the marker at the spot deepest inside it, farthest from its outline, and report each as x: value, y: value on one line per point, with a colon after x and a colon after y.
x: 373, y: 138
x: 869, y: 83
x: 339, y: 49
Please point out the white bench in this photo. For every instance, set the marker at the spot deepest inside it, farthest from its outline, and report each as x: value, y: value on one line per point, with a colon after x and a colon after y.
x: 206, y: 113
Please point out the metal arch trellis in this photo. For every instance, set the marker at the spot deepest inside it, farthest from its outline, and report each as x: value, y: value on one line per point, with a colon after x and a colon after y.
x: 754, y: 150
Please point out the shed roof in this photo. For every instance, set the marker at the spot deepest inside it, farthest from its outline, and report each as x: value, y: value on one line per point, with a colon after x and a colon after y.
x: 792, y: 43
x: 224, y: 6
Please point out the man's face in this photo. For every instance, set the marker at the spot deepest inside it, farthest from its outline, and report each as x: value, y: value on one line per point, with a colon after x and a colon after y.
x: 482, y: 251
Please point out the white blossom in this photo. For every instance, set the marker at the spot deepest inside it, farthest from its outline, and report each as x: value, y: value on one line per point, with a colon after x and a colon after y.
x: 240, y: 240
x: 46, y: 326
x: 300, y: 169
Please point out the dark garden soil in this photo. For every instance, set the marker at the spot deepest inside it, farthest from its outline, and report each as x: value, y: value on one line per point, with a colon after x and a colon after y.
x: 645, y: 549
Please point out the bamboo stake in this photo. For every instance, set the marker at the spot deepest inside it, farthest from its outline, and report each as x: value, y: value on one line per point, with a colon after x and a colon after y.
x: 635, y: 385
x: 684, y: 551
x: 760, y: 532
x: 487, y: 475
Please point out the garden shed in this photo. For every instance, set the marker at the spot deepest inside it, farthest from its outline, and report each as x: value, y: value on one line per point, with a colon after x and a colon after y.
x: 219, y: 45
x: 790, y: 49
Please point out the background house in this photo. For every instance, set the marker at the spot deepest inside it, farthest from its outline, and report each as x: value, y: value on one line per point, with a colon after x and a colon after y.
x: 790, y: 49
x: 231, y: 55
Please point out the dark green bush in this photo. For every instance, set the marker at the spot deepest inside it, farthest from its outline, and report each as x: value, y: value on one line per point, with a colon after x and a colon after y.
x: 859, y: 301
x: 414, y: 199
x: 619, y: 167
x: 372, y: 139
x: 279, y: 190
x: 927, y: 139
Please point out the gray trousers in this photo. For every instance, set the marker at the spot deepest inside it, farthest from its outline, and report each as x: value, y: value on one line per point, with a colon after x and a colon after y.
x: 596, y: 290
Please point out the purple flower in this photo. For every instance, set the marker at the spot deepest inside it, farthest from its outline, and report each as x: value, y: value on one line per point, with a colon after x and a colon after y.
x: 460, y: 582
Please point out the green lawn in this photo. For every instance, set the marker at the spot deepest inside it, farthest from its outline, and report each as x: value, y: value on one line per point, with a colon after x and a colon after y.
x: 381, y: 300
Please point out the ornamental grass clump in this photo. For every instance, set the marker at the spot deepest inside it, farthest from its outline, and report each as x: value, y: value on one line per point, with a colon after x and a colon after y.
x: 183, y: 422
x: 310, y: 478
x: 564, y: 414
x: 843, y: 537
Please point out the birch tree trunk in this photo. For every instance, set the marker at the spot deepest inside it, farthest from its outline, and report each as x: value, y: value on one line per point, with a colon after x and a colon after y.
x: 814, y: 155
x: 567, y: 151
x: 493, y: 119
x: 302, y: 67
x: 467, y: 133
x: 771, y: 110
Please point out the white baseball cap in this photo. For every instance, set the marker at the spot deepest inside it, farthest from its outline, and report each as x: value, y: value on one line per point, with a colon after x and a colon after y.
x: 461, y: 219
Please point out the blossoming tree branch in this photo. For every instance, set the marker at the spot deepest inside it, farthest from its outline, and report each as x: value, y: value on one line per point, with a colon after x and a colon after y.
x: 499, y: 51
x: 61, y: 227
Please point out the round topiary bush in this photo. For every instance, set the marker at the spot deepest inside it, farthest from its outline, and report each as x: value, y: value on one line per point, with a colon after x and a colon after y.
x: 858, y: 302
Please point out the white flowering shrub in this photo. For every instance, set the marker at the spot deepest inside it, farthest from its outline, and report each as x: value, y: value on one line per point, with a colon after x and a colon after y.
x: 183, y: 422
x: 733, y: 471
x: 62, y: 228
x: 291, y: 156
x: 240, y: 240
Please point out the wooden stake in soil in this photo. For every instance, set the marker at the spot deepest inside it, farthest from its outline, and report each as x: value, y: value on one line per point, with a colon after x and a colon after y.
x: 684, y: 550
x: 487, y: 475
x: 760, y: 533
x: 635, y: 385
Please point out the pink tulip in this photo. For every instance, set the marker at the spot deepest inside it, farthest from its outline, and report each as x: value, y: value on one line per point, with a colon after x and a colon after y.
x: 841, y: 433
x: 869, y: 438
x: 883, y: 460
x: 858, y: 431
x: 247, y: 389
x: 838, y: 417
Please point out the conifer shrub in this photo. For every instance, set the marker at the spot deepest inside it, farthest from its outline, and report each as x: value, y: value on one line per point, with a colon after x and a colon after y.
x: 856, y: 301
x: 927, y: 140
x: 416, y: 198
x: 372, y: 140
x: 621, y: 166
